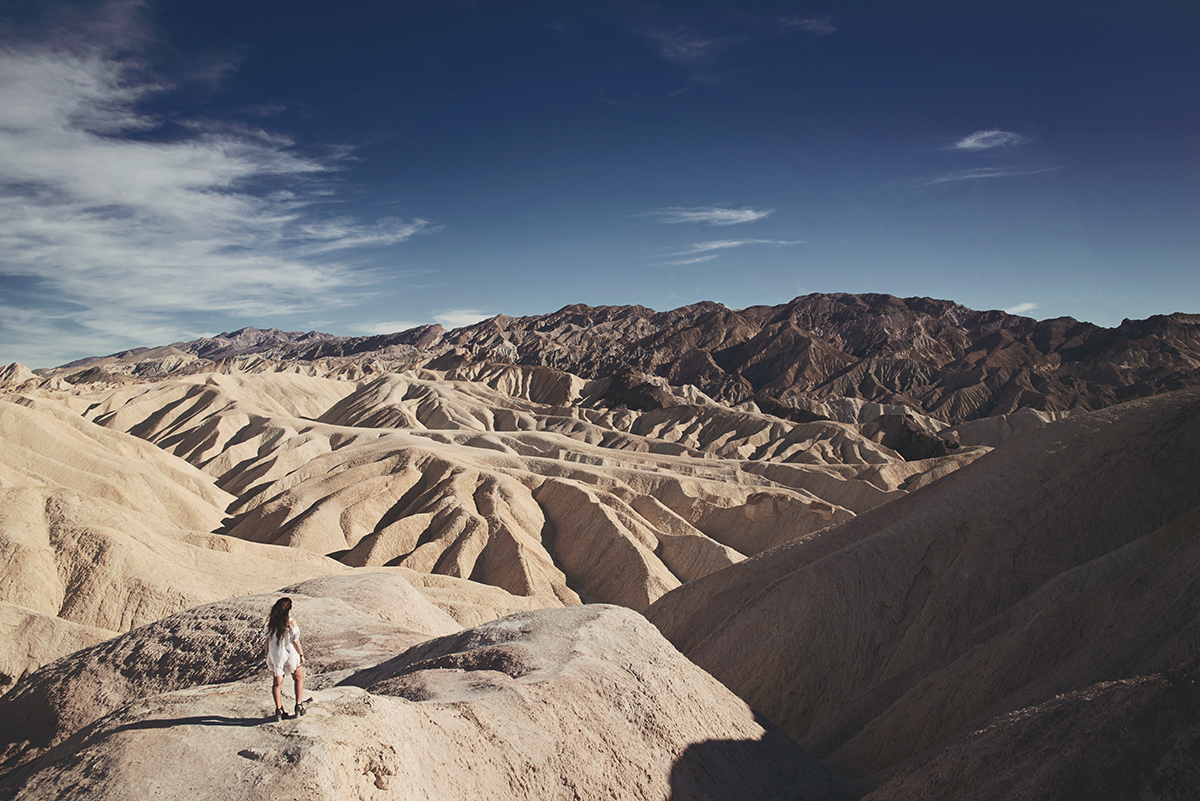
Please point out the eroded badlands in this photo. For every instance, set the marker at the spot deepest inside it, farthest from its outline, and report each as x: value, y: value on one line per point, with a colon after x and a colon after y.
x: 475, y: 553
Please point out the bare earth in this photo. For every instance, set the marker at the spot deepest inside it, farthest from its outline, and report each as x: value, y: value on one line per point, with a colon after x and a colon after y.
x: 483, y: 556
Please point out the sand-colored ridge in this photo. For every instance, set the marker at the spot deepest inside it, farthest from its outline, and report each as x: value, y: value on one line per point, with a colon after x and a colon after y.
x: 15, y: 374
x: 33, y: 639
x: 47, y: 446
x: 449, y: 476
x: 131, y: 499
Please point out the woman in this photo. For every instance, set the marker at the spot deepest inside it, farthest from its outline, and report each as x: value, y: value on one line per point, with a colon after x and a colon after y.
x: 284, y: 654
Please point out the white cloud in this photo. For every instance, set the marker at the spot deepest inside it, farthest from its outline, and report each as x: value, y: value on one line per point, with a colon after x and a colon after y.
x: 711, y: 215
x: 1021, y: 308
x: 457, y: 318
x: 983, y: 172
x: 135, y: 233
x: 725, y: 244
x: 706, y: 249
x: 696, y: 260
x: 390, y: 327
x: 684, y: 45
x: 342, y: 233
x: 986, y: 140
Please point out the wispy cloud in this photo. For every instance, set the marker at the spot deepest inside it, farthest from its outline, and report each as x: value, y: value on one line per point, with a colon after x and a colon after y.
x: 709, y: 215
x: 986, y: 140
x: 696, y: 260
x: 683, y: 45
x: 725, y: 244
x: 1021, y: 308
x: 329, y: 235
x: 686, y: 46
x: 958, y: 176
x: 137, y: 233
x: 818, y: 26
x: 706, y: 249
x: 457, y: 318
x: 390, y: 327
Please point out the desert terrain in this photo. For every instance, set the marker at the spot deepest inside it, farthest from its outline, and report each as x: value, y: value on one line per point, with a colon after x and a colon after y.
x: 851, y: 546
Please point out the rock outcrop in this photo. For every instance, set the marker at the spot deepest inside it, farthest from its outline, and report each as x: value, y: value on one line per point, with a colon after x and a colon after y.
x: 586, y: 702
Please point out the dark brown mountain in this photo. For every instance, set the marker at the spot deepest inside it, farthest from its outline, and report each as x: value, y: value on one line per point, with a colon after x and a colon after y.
x: 935, y: 356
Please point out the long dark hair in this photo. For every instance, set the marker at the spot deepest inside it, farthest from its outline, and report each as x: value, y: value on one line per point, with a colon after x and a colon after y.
x: 277, y: 621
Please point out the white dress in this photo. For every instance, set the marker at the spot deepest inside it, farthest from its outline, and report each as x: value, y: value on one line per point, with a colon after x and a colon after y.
x: 282, y: 657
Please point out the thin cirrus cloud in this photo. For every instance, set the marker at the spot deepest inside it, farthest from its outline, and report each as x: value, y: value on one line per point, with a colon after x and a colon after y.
x: 450, y: 318
x: 696, y: 260
x: 116, y: 237
x: 987, y: 140
x: 1021, y: 308
x: 818, y: 26
x: 457, y: 318
x: 390, y: 327
x: 684, y: 46
x: 959, y: 176
x: 708, y: 215
x: 725, y: 244
x: 702, y: 251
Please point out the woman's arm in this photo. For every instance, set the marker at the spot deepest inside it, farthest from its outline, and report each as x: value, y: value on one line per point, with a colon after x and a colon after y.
x: 295, y: 631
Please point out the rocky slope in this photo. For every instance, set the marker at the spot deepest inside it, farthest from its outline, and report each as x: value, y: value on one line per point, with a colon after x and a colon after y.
x: 587, y: 702
x: 935, y: 357
x: 994, y: 604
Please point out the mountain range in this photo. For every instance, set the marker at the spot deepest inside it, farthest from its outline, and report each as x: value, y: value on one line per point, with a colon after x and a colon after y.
x: 933, y: 356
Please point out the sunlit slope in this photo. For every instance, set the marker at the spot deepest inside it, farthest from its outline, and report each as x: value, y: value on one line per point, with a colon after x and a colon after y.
x: 583, y: 702
x: 538, y: 492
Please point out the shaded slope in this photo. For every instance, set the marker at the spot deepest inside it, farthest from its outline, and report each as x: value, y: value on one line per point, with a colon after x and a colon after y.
x: 1063, y: 559
x: 1134, y: 738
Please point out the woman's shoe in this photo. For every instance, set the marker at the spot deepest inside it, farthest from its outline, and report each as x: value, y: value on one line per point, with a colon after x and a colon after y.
x: 278, y: 714
x: 300, y: 710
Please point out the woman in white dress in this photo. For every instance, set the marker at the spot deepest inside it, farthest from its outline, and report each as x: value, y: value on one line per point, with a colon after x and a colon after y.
x: 284, y: 654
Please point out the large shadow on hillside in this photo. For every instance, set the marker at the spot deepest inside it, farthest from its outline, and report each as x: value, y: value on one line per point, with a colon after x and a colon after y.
x: 755, y: 770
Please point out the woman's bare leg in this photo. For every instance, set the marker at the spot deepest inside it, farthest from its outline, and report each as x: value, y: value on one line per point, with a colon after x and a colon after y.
x: 277, y: 691
x: 298, y: 678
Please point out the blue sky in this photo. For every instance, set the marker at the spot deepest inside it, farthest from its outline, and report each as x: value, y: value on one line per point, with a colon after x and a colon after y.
x: 171, y: 169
